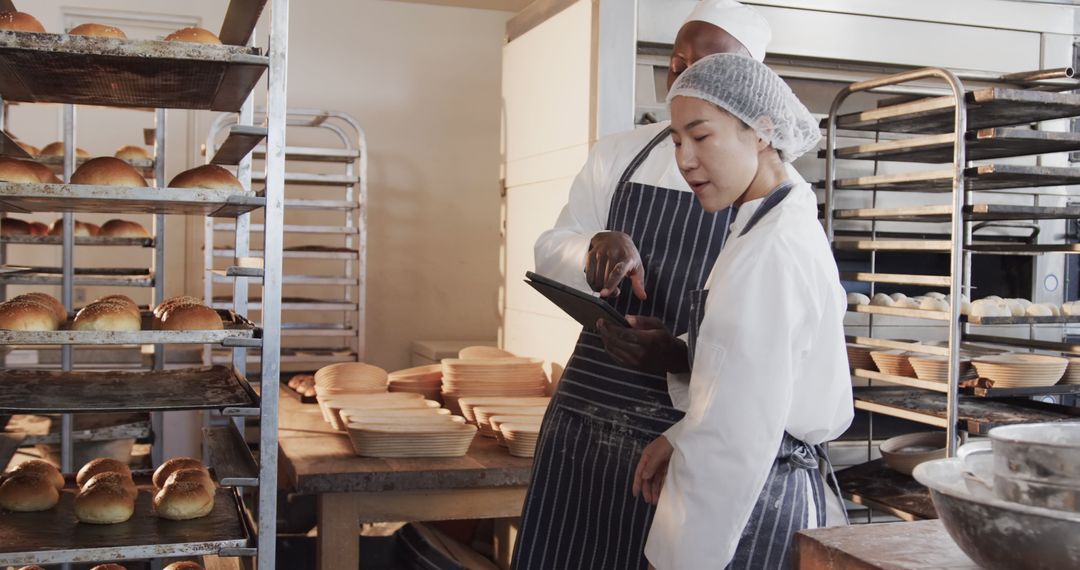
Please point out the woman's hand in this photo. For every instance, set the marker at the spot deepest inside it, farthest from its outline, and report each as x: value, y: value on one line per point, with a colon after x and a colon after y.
x: 613, y: 257
x: 651, y: 470
x: 647, y: 345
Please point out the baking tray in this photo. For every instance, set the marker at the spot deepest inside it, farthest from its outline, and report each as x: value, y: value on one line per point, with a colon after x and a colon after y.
x: 80, y: 240
x: 8, y: 146
x: 230, y: 457
x: 983, y: 144
x: 973, y: 212
x: 977, y: 178
x: 312, y: 179
x: 88, y: 276
x: 58, y: 68
x: 236, y: 327
x: 986, y: 108
x: 44, y: 429
x: 126, y: 200
x: 293, y: 304
x: 55, y: 536
x: 50, y: 391
x: 874, y: 484
x: 240, y: 142
x: 301, y: 252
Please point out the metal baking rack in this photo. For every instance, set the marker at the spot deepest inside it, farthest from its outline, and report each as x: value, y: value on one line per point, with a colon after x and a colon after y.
x: 953, y: 130
x: 342, y: 165
x: 156, y: 75
x: 80, y: 240
x: 237, y: 331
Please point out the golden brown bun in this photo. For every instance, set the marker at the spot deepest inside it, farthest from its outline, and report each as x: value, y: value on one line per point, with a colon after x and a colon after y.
x: 14, y: 227
x: 108, y: 567
x: 206, y: 176
x: 193, y: 36
x: 108, y: 171
x: 108, y: 316
x: 132, y: 152
x: 183, y: 501
x: 123, y: 228
x: 34, y: 567
x: 195, y: 475
x: 175, y: 464
x: 27, y: 492
x: 20, y: 22
x: 112, y: 478
x: 57, y: 149
x: 193, y: 317
x: 104, y: 504
x: 29, y: 148
x: 101, y: 465
x: 26, y: 315
x: 174, y: 301
x: 44, y: 173
x: 97, y: 30
x: 124, y: 300
x: 41, y: 469
x: 94, y: 229
x: 183, y: 566
x: 17, y: 172
x: 81, y: 229
x: 39, y: 229
x: 53, y: 303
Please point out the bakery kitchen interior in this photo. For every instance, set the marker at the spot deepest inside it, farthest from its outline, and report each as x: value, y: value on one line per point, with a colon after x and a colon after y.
x: 478, y: 284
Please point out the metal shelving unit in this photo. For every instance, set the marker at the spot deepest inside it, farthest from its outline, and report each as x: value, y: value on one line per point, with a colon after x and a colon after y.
x: 159, y: 75
x: 945, y: 135
x: 341, y: 166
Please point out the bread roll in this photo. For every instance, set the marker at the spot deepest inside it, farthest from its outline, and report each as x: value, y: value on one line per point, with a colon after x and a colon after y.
x: 183, y: 501
x: 53, y: 303
x: 41, y: 469
x: 101, y: 465
x: 174, y: 301
x: 26, y: 315
x: 199, y: 476
x: 161, y: 475
x: 27, y: 492
x: 206, y: 176
x: 17, y: 172
x: 193, y: 36
x: 33, y: 567
x: 44, y: 173
x: 14, y: 227
x: 107, y: 316
x: 104, y: 503
x: 124, y: 300
x: 183, y: 566
x: 39, y: 229
x: 108, y: 171
x: 29, y: 148
x: 81, y: 229
x: 132, y: 152
x: 112, y: 478
x: 20, y: 22
x: 98, y: 31
x: 124, y: 229
x: 57, y: 149
x: 192, y: 317
x: 108, y: 567
x: 94, y: 229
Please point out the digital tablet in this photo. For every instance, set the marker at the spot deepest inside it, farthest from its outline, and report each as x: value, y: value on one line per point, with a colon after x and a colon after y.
x: 584, y: 308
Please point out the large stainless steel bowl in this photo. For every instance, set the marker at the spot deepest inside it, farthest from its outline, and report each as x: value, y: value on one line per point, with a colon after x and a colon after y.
x: 1040, y: 453
x: 996, y: 534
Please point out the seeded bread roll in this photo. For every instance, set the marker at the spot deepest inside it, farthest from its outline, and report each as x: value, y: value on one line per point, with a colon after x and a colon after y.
x: 112, y: 478
x: 132, y: 152
x: 194, y: 475
x: 82, y: 229
x: 183, y: 501
x: 53, y: 303
x: 26, y: 315
x: 41, y: 469
x: 14, y: 227
x: 161, y: 474
x: 124, y: 300
x: 28, y: 492
x: 13, y: 21
x: 17, y: 171
x: 172, y: 302
x: 209, y: 176
x: 34, y: 567
x: 193, y: 36
x: 123, y: 228
x: 108, y: 171
x: 108, y: 316
x: 108, y: 567
x: 101, y: 465
x: 192, y: 317
x: 104, y: 503
x: 57, y: 149
x: 98, y: 31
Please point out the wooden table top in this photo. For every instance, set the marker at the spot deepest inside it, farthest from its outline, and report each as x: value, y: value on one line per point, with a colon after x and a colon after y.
x: 922, y: 545
x: 315, y: 458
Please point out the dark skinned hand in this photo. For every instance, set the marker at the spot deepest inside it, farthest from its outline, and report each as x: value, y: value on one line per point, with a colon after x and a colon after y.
x: 652, y: 469
x: 647, y: 345
x: 613, y: 257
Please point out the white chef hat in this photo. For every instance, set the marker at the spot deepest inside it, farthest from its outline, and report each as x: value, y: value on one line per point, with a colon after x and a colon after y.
x: 742, y: 22
x: 755, y: 95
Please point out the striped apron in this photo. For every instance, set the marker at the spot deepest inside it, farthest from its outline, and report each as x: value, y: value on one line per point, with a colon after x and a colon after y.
x: 579, y: 512
x: 782, y: 508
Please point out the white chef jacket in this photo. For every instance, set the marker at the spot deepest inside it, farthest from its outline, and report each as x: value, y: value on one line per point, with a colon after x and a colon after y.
x: 770, y: 357
x: 561, y: 251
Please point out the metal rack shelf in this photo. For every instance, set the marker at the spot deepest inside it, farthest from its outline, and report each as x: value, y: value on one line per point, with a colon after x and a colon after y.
x: 296, y: 304
x: 237, y: 330
x: 81, y: 241
x: 986, y: 108
x: 295, y: 229
x: 8, y: 146
x: 219, y: 277
x: 942, y: 246
x: 240, y: 142
x: 985, y: 177
x: 300, y: 252
x: 81, y: 70
x: 974, y: 320
x: 977, y: 416
x: 125, y: 200
x: 299, y: 356
x: 972, y: 212
x: 314, y: 154
x: 48, y: 391
x: 983, y: 144
x: 234, y: 465
x: 305, y: 204
x: 975, y: 392
x: 306, y: 179
x: 86, y: 276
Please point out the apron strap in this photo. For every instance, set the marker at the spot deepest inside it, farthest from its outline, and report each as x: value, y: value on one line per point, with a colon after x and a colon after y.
x: 771, y: 201
x: 641, y: 156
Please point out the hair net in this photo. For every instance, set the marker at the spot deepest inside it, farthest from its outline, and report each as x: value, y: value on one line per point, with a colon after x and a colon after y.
x: 755, y: 95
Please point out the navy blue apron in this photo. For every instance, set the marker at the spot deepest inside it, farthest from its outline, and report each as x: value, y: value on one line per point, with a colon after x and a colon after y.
x: 579, y: 512
x: 782, y: 508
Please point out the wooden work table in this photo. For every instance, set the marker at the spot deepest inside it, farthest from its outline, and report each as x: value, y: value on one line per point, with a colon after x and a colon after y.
x: 923, y: 545
x: 316, y: 459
